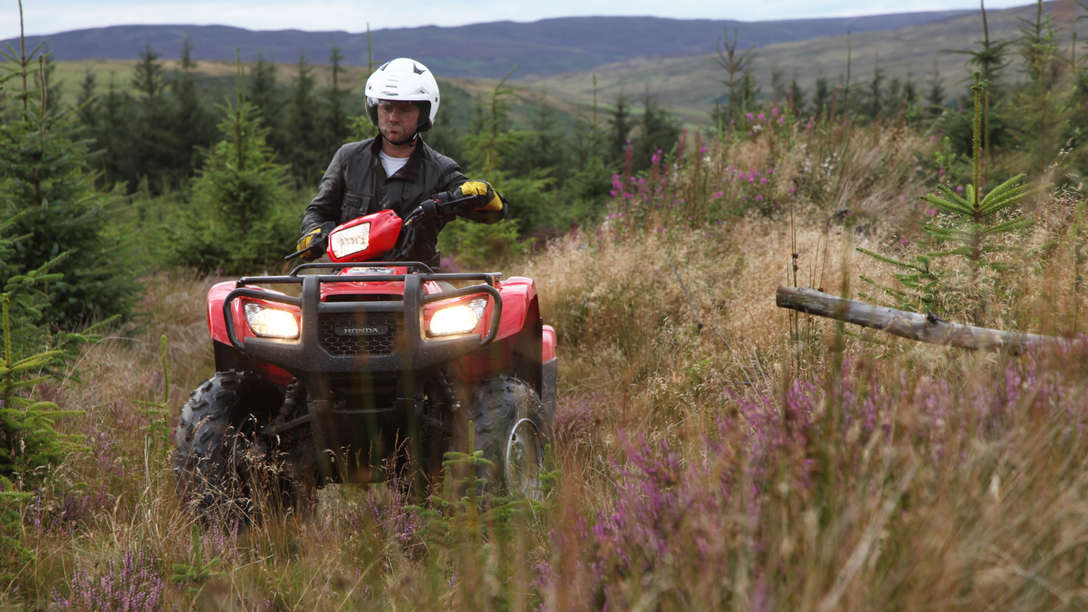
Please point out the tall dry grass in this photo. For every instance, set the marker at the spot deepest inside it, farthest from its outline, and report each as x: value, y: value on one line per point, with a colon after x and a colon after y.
x: 711, y: 453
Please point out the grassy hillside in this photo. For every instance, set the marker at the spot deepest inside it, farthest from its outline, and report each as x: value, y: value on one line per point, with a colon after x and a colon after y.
x: 690, y: 85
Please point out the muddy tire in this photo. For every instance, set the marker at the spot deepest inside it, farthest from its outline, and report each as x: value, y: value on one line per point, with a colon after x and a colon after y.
x: 224, y: 470
x: 512, y: 429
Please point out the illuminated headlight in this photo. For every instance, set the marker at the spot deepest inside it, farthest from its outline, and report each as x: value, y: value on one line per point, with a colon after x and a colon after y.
x: 459, y: 319
x: 350, y: 240
x: 271, y: 322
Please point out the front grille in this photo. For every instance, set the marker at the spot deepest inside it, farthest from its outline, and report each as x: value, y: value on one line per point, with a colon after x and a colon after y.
x: 348, y: 333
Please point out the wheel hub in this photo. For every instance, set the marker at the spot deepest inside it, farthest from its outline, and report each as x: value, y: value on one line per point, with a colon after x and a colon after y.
x: 524, y: 460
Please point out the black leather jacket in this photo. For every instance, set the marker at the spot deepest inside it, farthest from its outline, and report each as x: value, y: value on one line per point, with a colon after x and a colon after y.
x: 355, y: 184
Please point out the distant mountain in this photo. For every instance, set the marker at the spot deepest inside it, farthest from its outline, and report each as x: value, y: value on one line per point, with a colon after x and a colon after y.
x: 546, y: 47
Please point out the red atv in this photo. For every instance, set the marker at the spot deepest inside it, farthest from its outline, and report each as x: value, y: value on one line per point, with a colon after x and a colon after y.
x: 339, y: 370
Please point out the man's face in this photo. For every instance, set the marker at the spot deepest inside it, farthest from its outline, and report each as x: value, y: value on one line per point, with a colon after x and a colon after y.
x: 397, y: 119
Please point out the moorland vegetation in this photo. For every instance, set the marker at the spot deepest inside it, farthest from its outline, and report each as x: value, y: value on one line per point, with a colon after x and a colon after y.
x: 712, y: 451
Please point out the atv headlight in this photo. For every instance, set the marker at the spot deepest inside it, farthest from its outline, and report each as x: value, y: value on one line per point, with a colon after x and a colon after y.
x: 459, y: 319
x: 271, y: 322
x: 350, y: 240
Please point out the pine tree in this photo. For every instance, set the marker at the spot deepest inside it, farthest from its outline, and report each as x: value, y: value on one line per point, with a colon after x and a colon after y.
x: 738, y: 81
x: 910, y: 92
x: 45, y: 179
x: 778, y: 86
x: 875, y: 98
x: 30, y: 446
x: 148, y: 78
x: 797, y: 97
x: 621, y: 128
x: 112, y: 133
x: 264, y: 94
x: 87, y: 102
x: 153, y: 143
x: 821, y: 97
x: 657, y: 132
x: 748, y: 91
x: 240, y: 214
x: 968, y: 230
x: 988, y: 57
x: 337, y: 122
x: 1043, y: 106
x: 192, y: 123
x: 935, y: 96
x: 305, y: 145
x: 546, y: 146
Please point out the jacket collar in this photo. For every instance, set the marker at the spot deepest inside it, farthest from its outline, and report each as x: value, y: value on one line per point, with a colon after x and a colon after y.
x: 410, y: 171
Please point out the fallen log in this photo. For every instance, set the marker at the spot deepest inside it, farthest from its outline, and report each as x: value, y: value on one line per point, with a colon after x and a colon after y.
x: 922, y: 327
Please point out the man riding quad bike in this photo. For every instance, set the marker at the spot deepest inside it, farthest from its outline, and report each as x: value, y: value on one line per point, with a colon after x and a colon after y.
x: 338, y: 371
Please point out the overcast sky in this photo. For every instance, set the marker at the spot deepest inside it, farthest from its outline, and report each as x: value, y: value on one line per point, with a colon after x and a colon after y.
x: 49, y: 16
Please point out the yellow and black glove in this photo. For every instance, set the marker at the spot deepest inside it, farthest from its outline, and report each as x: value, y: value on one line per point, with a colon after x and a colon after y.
x: 313, y: 242
x: 485, y: 200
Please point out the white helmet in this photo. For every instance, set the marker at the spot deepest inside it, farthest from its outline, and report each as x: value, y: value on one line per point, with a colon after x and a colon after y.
x: 403, y: 79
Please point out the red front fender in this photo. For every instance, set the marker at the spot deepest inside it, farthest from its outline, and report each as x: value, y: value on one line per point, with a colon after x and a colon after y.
x: 217, y: 329
x: 518, y: 297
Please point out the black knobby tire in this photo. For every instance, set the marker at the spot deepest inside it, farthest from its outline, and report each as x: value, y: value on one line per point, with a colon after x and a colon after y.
x: 220, y: 461
x: 512, y: 429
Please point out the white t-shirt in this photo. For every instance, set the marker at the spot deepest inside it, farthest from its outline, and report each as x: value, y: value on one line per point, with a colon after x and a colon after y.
x: 390, y: 163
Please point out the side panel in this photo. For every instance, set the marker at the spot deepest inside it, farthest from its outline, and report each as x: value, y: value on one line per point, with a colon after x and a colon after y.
x: 550, y: 344
x: 226, y: 356
x: 217, y: 327
x: 518, y: 295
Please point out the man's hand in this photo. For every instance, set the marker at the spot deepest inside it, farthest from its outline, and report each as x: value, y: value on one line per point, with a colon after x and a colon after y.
x: 313, y: 242
x: 485, y: 197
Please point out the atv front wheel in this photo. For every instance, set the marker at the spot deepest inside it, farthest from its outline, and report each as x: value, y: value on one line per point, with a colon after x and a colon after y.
x: 511, y: 429
x: 222, y: 465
